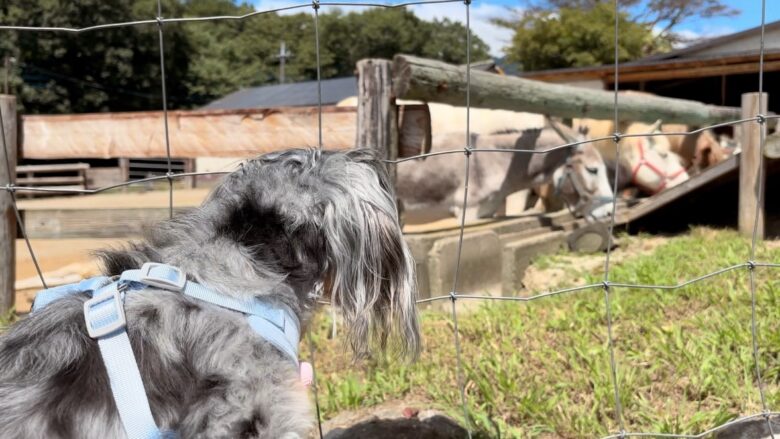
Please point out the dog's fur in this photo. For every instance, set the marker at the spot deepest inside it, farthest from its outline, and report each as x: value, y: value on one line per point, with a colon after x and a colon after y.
x: 290, y: 227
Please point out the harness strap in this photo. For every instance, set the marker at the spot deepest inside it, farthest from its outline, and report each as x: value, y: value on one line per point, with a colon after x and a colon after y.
x: 45, y: 297
x: 105, y: 318
x: 276, y: 324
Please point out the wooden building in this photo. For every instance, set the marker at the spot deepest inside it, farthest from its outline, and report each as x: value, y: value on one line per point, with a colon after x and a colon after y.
x: 717, y: 71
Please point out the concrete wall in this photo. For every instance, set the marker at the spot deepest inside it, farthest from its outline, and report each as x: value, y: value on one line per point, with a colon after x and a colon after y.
x: 494, y: 255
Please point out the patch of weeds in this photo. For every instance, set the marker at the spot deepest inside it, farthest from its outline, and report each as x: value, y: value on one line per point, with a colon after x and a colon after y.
x: 542, y: 369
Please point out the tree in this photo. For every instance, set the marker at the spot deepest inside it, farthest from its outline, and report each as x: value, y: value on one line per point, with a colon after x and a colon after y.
x: 577, y: 33
x: 663, y: 16
x: 118, y: 69
x: 574, y: 38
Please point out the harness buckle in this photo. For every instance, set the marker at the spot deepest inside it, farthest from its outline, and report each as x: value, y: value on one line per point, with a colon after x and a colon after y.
x: 166, y: 277
x: 105, y: 313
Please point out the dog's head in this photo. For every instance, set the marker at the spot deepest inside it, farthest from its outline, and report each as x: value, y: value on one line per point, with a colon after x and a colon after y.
x: 327, y: 222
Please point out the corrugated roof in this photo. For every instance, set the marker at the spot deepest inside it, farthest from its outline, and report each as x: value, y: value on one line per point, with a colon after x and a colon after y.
x: 711, y: 42
x: 299, y: 94
x: 600, y: 70
x: 684, y: 54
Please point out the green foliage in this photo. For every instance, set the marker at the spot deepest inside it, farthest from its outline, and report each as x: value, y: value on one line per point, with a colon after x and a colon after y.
x: 117, y: 69
x: 542, y: 369
x: 574, y: 38
x: 576, y: 33
x: 7, y: 319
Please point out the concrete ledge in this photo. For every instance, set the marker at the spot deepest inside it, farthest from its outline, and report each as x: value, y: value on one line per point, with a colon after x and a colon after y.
x: 480, y: 264
x: 516, y: 257
x: 419, y: 246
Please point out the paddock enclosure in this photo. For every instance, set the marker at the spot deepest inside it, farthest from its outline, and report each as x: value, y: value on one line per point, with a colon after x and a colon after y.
x: 459, y: 262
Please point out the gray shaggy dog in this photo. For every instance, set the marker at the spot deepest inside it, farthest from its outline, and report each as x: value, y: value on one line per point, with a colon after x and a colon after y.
x: 292, y: 228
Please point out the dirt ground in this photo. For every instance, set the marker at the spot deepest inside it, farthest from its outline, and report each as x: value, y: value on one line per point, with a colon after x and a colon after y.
x: 570, y: 267
x: 61, y: 260
x: 117, y: 200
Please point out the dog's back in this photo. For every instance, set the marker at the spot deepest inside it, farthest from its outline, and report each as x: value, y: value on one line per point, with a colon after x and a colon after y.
x: 286, y: 229
x: 206, y: 374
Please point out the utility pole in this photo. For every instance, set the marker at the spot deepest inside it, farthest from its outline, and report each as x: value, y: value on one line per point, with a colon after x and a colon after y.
x: 283, y: 56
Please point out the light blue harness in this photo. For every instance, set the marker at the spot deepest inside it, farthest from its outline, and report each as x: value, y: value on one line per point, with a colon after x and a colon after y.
x: 105, y: 318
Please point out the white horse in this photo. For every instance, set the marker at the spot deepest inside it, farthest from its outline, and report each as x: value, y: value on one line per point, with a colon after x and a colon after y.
x: 645, y: 161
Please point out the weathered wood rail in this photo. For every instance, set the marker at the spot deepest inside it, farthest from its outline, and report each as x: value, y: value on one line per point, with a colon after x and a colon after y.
x: 7, y: 214
x: 30, y: 175
x: 435, y: 81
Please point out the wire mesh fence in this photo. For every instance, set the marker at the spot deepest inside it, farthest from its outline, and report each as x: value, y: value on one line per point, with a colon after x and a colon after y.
x: 607, y: 286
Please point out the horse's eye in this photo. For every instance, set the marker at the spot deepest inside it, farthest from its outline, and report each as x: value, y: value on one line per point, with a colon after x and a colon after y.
x: 592, y: 170
x: 663, y: 154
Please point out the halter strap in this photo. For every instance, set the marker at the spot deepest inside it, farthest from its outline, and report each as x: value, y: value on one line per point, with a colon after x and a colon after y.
x: 585, y: 199
x: 665, y: 178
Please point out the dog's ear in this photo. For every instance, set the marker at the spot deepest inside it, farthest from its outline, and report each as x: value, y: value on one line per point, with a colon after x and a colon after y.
x: 370, y: 268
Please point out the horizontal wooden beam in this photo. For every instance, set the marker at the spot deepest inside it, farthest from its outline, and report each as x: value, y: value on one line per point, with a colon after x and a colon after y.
x: 604, y: 71
x: 694, y: 72
x: 52, y: 168
x: 193, y: 134
x: 435, y: 81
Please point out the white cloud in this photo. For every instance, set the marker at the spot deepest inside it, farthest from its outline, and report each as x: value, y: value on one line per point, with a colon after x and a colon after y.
x: 495, y: 36
x: 697, y: 34
x: 481, y: 12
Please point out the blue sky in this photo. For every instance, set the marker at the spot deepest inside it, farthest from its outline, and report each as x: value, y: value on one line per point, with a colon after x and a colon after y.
x: 483, y: 10
x: 750, y: 16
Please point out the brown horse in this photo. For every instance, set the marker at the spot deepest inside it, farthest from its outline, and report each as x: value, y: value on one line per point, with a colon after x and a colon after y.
x: 698, y: 151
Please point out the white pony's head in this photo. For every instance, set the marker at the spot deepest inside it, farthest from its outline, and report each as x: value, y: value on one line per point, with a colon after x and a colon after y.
x: 652, y: 164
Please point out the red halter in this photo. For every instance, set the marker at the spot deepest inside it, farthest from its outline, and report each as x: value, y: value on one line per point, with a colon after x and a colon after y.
x: 665, y: 178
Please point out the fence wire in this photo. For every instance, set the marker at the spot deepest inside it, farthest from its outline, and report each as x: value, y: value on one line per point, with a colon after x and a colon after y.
x: 607, y: 286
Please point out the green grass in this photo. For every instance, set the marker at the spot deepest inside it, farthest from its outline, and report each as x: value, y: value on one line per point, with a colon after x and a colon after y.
x: 7, y: 319
x: 541, y: 369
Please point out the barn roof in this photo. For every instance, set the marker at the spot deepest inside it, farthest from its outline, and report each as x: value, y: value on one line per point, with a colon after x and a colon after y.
x: 733, y: 53
x: 299, y: 94
x: 720, y: 44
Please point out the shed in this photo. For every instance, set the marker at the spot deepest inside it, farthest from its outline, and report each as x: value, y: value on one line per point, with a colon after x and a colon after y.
x: 298, y: 94
x: 716, y: 71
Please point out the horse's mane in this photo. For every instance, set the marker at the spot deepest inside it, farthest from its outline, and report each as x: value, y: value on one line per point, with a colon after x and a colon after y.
x: 506, y: 131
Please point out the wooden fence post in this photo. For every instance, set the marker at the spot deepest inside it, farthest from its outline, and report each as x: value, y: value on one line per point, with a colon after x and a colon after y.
x: 7, y: 214
x: 377, y: 115
x: 751, y: 190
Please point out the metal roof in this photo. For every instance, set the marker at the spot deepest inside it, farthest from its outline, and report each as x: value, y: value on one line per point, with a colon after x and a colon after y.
x: 299, y: 94
x: 684, y: 54
x: 712, y: 42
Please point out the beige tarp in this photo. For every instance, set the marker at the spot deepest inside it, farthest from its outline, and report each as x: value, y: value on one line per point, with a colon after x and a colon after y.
x: 221, y: 133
